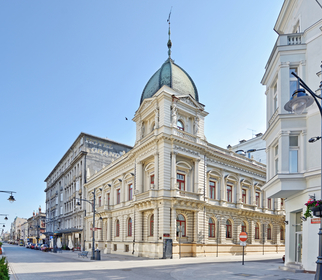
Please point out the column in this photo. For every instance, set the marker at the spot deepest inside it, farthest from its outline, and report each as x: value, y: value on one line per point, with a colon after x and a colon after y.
x: 173, y: 224
x: 251, y: 232
x: 138, y: 226
x: 138, y: 177
x: 223, y: 188
x: 156, y: 224
x: 112, y: 202
x: 238, y: 192
x: 156, y: 171
x: 123, y: 190
x: 109, y: 229
x: 253, y: 197
x: 196, y: 185
x: 173, y: 170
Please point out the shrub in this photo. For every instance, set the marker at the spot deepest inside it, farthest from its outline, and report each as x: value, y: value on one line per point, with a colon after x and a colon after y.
x: 1, y: 244
x: 4, y: 270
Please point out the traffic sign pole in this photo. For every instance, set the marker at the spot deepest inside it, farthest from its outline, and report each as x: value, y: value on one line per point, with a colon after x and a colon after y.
x: 243, y: 238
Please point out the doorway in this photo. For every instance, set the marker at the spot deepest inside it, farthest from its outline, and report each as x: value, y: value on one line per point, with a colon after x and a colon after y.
x: 298, y: 247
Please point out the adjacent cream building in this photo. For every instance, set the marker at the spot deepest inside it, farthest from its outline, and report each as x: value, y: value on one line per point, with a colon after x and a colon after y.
x: 293, y: 164
x: 175, y: 185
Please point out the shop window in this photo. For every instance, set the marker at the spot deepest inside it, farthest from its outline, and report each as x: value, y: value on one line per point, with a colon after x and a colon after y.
x: 117, y: 228
x: 181, y: 225
x: 129, y: 227
x: 228, y: 229
x: 243, y: 227
x: 269, y: 232
x: 212, y: 228
x: 151, y: 225
x: 229, y: 193
x: 212, y: 189
x: 181, y: 181
x: 282, y: 233
x: 256, y: 231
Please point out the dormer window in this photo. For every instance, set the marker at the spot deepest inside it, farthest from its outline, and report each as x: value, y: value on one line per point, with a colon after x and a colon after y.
x: 180, y: 125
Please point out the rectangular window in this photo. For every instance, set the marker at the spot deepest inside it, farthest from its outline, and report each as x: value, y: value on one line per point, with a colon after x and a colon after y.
x: 118, y: 196
x: 282, y: 202
x: 269, y: 203
x: 99, y: 201
x: 293, y: 154
x: 276, y: 159
x: 244, y: 196
x: 152, y: 179
x: 293, y: 81
x: 258, y: 199
x: 130, y: 191
x: 229, y: 193
x: 181, y: 181
x: 275, y: 98
x: 212, y: 189
x: 108, y: 199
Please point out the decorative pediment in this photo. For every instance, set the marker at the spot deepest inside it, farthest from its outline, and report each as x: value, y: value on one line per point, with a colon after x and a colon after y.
x: 191, y: 101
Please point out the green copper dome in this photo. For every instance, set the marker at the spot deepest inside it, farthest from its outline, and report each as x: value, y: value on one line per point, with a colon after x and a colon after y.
x: 173, y: 76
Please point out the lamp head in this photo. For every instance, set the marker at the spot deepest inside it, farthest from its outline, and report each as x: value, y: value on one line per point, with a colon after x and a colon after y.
x: 298, y: 102
x: 11, y: 198
x: 240, y: 152
x: 6, y: 218
x: 314, y: 139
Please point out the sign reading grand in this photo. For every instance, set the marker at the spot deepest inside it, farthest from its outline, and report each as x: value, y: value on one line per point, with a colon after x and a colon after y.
x: 107, y: 149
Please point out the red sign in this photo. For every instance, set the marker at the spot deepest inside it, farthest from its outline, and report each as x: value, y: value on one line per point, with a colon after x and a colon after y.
x: 243, y: 236
x: 166, y: 235
x: 315, y: 220
x: 95, y: 229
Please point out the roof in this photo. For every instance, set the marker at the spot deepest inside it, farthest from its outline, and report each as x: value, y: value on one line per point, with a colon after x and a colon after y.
x: 173, y: 76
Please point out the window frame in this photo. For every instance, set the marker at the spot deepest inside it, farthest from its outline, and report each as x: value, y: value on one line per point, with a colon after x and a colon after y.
x: 269, y: 203
x: 212, y: 189
x: 229, y: 191
x: 181, y: 181
x: 258, y: 198
x: 243, y: 227
x: 228, y: 229
x: 244, y: 195
x: 130, y: 188
x: 151, y: 225
x: 211, y: 228
x: 129, y: 227
x: 269, y: 232
x: 257, y: 231
x: 292, y: 149
x: 182, y: 125
x: 276, y: 159
x: 181, y: 223
x: 118, y: 196
x: 117, y: 228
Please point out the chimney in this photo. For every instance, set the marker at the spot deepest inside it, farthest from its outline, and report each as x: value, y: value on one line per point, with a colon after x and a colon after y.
x: 33, y: 213
x: 39, y: 209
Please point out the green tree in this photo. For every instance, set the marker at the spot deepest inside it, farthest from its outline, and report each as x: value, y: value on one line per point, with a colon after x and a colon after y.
x: 4, y: 270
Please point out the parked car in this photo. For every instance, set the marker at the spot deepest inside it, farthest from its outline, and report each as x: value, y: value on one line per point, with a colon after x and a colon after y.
x: 44, y: 247
x: 28, y: 245
x: 38, y: 246
x: 32, y: 246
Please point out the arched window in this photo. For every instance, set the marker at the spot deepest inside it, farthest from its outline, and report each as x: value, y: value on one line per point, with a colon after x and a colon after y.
x: 212, y: 228
x: 269, y: 232
x: 181, y: 225
x: 129, y: 227
x: 243, y: 227
x: 151, y: 225
x: 256, y: 231
x: 228, y: 229
x: 282, y: 236
x: 117, y: 228
x: 180, y: 125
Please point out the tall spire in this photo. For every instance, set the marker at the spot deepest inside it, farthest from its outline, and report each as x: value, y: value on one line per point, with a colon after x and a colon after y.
x: 169, y: 41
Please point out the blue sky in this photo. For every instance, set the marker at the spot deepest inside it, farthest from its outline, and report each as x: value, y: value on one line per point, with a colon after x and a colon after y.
x: 80, y: 66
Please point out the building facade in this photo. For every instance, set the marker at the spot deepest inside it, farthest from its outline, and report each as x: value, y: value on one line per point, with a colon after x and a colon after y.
x: 65, y: 185
x: 34, y: 228
x: 256, y: 143
x: 293, y: 164
x: 174, y: 185
x: 15, y: 230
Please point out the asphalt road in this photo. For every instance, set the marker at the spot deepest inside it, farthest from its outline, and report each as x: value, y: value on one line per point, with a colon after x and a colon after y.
x: 28, y: 264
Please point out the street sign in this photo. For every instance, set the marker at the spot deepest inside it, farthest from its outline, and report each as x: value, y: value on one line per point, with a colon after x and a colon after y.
x: 242, y: 243
x: 243, y: 236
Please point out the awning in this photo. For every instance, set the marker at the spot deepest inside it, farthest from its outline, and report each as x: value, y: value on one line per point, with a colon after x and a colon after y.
x: 69, y: 230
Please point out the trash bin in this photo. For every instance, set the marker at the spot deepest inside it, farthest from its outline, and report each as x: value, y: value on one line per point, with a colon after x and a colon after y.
x: 97, y: 255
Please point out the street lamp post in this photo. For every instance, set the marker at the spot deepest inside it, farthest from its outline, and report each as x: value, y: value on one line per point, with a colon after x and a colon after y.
x: 93, y: 228
x: 297, y: 104
x: 11, y: 198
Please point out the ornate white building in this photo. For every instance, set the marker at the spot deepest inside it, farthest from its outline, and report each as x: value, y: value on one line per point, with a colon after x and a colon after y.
x: 175, y: 185
x: 293, y: 164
